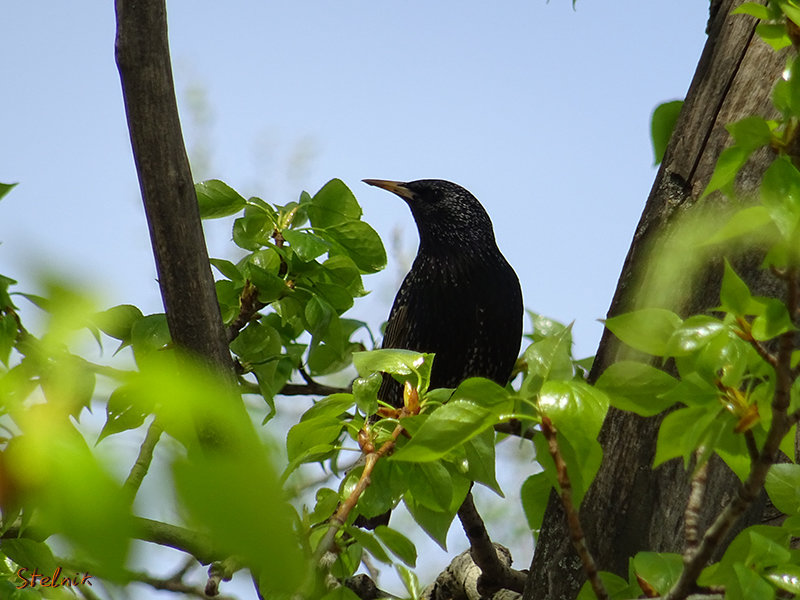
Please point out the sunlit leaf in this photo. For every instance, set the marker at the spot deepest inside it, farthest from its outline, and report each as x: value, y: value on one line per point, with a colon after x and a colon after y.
x: 661, y: 126
x: 398, y: 544
x: 637, y: 387
x: 217, y: 199
x: 647, y: 330
x: 659, y: 569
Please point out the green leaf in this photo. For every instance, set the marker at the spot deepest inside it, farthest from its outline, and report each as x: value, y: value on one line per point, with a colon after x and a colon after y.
x: 333, y: 205
x: 227, y: 269
x: 8, y: 336
x: 577, y: 410
x: 124, y: 411
x: 475, y: 405
x: 74, y: 495
x: 270, y: 287
x: 662, y: 124
x: 774, y: 321
x: 389, y: 481
x: 750, y: 132
x: 360, y: 242
x: 216, y: 199
x: 780, y: 193
x: 317, y: 434
x: 341, y: 593
x: 754, y: 9
x: 734, y: 295
x: 268, y: 259
x: 748, y: 585
x: 395, y: 362
x: 327, y: 501
x: 480, y: 455
x: 365, y: 392
x: 616, y: 586
x: 330, y: 407
x: 535, y: 494
x: 5, y: 188
x: 398, y: 544
x: 319, y: 315
x: 431, y: 485
x: 252, y: 231
x: 234, y: 514
x: 729, y: 163
x: 544, y: 327
x: 548, y: 358
x: 149, y: 334
x: 637, y: 387
x: 791, y: 9
x: 659, y: 569
x: 306, y: 245
x: 742, y: 222
x: 29, y: 554
x: 118, y: 321
x: 694, y: 333
x: 785, y: 577
x: 410, y: 581
x: 369, y: 542
x: 647, y: 330
x: 435, y: 523
x: 759, y: 547
x: 783, y: 487
x: 682, y: 431
x: 257, y: 343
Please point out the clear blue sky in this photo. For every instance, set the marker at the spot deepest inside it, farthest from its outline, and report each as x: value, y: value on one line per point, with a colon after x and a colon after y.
x: 541, y: 111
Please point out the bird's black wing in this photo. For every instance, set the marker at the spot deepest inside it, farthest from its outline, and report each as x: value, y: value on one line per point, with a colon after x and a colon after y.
x: 469, y: 314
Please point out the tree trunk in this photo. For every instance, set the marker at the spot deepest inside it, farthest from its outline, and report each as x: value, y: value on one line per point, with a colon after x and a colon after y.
x: 630, y: 506
x: 176, y: 233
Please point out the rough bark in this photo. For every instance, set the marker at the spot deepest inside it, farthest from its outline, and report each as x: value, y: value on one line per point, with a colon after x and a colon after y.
x: 632, y: 507
x: 184, y: 274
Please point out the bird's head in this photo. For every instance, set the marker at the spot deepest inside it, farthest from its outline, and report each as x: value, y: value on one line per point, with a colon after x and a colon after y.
x: 447, y: 215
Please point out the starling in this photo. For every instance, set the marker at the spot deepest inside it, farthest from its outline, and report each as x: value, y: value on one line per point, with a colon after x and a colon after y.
x: 461, y: 299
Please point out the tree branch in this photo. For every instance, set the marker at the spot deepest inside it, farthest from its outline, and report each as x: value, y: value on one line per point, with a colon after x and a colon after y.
x: 371, y: 457
x: 573, y: 520
x: 142, y: 464
x: 693, y: 506
x: 749, y: 490
x: 311, y: 389
x: 184, y: 273
x: 495, y: 574
x: 179, y: 538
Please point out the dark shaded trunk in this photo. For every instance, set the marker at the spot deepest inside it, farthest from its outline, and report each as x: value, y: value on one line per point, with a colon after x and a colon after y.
x: 184, y: 273
x: 631, y: 507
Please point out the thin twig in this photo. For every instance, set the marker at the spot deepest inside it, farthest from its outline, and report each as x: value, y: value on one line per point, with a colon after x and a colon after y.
x: 573, y: 520
x: 249, y: 305
x: 752, y: 447
x: 340, y: 516
x: 142, y: 464
x: 745, y: 332
x: 495, y: 575
x: 311, y: 389
x: 179, y: 538
x: 750, y: 489
x: 514, y: 427
x: 693, y: 506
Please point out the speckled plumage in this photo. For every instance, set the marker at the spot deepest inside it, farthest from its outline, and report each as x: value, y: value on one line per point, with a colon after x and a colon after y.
x: 461, y: 299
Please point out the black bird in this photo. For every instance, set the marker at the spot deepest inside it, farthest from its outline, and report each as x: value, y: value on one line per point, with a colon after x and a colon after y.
x: 461, y: 299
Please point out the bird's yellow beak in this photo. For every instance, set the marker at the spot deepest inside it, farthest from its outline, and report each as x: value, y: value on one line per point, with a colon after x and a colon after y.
x: 396, y: 187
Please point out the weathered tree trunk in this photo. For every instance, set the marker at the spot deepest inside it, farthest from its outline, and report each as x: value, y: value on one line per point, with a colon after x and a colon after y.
x: 631, y: 507
x: 184, y: 273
